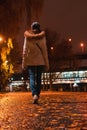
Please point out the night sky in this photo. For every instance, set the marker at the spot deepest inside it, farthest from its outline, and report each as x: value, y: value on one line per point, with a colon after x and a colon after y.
x: 68, y: 17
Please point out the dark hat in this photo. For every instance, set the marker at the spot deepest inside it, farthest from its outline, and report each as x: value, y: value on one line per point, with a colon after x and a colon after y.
x: 35, y: 25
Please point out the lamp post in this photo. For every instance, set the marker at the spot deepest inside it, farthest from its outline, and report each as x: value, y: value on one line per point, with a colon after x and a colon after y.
x: 69, y: 43
x: 50, y: 74
x: 82, y: 47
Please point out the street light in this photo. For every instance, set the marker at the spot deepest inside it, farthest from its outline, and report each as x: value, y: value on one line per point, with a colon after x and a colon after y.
x: 69, y: 39
x: 50, y: 72
x: 1, y: 39
x: 51, y: 47
x: 82, y: 46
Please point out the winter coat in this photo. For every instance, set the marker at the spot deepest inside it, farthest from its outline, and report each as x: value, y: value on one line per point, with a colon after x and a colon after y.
x: 35, y: 50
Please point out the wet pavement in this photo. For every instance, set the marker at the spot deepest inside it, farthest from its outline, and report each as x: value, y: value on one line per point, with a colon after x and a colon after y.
x: 56, y: 111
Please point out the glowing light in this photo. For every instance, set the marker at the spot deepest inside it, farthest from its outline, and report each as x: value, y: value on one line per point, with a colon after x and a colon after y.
x: 6, y: 61
x: 22, y: 78
x: 51, y: 48
x: 82, y: 44
x: 70, y: 39
x: 1, y: 39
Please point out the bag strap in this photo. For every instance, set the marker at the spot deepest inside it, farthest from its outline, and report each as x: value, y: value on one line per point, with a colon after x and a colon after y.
x: 39, y: 47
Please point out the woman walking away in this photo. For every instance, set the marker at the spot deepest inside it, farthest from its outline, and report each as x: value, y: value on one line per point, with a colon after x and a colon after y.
x: 35, y: 58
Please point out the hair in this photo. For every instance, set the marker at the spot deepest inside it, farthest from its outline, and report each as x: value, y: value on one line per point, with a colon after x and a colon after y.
x: 35, y: 26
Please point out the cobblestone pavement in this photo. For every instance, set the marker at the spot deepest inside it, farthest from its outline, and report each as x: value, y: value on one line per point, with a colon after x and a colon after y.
x: 56, y: 111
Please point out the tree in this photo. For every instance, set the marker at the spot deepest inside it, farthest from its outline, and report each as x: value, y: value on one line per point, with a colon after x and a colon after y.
x: 15, y: 17
x: 52, y: 38
x: 14, y: 12
x: 60, y: 53
x: 33, y: 10
x: 15, y: 55
x: 6, y: 67
x: 9, y: 18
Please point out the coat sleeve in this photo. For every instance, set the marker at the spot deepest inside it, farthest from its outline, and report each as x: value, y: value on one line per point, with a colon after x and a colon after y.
x: 24, y: 53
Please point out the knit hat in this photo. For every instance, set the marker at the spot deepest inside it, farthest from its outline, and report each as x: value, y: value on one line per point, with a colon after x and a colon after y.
x: 35, y: 25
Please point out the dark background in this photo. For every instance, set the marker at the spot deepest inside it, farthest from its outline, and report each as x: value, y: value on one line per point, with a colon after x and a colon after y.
x: 68, y: 17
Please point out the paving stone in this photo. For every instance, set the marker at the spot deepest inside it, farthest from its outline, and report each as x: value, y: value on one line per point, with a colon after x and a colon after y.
x: 56, y: 111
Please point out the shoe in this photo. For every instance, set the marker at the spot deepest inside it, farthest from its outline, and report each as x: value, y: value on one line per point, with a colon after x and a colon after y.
x: 35, y: 99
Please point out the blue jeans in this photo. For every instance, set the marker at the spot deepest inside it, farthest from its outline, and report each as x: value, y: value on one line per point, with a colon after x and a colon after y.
x: 35, y: 73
